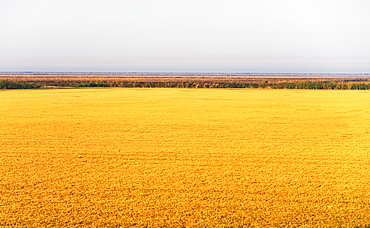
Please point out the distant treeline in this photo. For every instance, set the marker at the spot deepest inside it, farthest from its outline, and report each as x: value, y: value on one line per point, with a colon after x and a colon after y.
x: 7, y: 84
x: 328, y: 85
x: 331, y: 85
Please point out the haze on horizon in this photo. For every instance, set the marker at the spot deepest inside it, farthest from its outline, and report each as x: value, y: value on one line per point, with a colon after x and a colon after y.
x: 185, y: 35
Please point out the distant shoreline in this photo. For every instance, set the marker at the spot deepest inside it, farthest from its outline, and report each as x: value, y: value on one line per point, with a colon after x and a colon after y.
x: 83, y: 73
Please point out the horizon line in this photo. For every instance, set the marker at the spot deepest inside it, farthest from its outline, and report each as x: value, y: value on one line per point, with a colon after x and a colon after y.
x: 195, y: 73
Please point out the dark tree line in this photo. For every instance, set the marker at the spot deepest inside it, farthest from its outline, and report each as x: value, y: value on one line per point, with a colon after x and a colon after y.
x: 327, y: 85
x: 7, y: 84
x: 264, y: 84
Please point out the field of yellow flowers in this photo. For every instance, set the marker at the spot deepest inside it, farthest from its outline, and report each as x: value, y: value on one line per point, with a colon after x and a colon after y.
x: 184, y: 158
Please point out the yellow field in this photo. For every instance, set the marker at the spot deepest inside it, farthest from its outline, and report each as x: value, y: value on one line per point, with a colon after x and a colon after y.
x: 184, y: 157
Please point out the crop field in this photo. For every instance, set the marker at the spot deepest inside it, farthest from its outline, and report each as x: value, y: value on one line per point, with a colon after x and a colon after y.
x: 162, y: 157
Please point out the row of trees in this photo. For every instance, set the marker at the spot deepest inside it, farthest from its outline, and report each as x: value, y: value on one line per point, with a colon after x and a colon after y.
x: 322, y: 85
x: 7, y: 84
x: 331, y: 85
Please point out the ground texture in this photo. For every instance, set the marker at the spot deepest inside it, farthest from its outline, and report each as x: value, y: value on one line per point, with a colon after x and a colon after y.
x: 184, y: 157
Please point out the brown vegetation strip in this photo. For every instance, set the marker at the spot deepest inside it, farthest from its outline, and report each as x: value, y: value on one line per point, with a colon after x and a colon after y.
x: 277, y: 82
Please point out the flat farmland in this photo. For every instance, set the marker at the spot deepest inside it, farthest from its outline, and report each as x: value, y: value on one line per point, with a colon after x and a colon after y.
x: 184, y: 158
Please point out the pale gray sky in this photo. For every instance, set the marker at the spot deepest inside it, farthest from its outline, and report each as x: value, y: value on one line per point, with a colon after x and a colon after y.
x: 185, y: 35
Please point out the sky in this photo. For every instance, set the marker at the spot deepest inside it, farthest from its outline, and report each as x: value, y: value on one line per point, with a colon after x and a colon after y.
x: 185, y: 35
